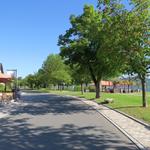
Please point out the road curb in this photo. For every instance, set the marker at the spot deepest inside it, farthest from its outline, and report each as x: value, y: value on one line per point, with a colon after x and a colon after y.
x: 137, y: 120
x: 137, y: 143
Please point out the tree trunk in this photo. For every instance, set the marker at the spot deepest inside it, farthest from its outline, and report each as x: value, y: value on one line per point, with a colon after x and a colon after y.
x: 96, y: 81
x: 97, y: 86
x: 124, y: 88
x: 82, y: 89
x: 5, y: 87
x: 144, y: 101
x: 128, y: 88
x: 63, y: 86
x: 60, y: 87
x: 44, y: 85
x: 114, y: 86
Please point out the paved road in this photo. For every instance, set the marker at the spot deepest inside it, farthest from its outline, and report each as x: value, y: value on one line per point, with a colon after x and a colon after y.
x: 50, y: 122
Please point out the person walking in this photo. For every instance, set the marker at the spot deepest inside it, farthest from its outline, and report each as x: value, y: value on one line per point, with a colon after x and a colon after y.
x: 16, y: 93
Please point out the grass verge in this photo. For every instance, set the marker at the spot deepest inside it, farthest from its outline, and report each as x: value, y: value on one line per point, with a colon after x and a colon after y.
x: 131, y: 104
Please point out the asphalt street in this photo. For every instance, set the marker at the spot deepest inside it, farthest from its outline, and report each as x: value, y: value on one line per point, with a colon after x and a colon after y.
x: 50, y: 122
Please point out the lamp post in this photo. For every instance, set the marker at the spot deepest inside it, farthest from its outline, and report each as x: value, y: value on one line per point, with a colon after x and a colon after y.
x: 13, y: 73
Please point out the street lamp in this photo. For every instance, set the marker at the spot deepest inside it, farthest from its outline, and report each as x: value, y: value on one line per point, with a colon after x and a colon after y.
x: 13, y: 73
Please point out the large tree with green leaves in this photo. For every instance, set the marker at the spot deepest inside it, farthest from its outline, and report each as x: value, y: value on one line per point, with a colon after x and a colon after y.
x: 31, y: 81
x: 80, y: 76
x: 41, y: 77
x: 55, y: 71
x: 133, y: 36
x: 136, y: 34
x: 92, y: 42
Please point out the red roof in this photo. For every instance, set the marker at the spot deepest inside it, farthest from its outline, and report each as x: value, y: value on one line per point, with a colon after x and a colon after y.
x: 5, y: 78
x: 106, y: 83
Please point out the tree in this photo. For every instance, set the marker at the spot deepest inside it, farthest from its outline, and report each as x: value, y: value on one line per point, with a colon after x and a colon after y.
x: 136, y: 32
x: 55, y: 71
x: 20, y: 82
x: 30, y: 81
x: 80, y: 76
x: 89, y: 45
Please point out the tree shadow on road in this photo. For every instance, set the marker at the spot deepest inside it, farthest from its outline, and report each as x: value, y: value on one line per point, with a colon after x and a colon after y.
x: 42, y: 104
x: 19, y: 134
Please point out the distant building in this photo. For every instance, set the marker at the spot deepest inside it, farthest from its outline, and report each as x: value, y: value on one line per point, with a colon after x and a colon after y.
x: 4, y: 78
x: 106, y: 83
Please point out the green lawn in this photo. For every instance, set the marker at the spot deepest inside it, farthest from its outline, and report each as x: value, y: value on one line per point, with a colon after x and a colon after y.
x: 128, y: 103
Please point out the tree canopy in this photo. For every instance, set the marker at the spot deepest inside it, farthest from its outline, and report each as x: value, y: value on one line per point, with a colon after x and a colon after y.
x: 55, y: 71
x: 89, y: 44
x: 137, y: 26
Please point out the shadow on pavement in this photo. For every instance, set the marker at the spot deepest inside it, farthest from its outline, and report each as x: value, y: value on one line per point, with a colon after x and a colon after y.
x: 19, y: 135
x: 40, y: 104
x: 18, y: 132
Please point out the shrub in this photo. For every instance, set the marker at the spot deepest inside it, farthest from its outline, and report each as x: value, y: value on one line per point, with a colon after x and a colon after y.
x: 91, y: 88
x: 1, y: 87
x: 77, y: 88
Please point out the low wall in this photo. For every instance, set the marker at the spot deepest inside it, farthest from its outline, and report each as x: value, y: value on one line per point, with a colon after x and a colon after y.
x: 6, y: 96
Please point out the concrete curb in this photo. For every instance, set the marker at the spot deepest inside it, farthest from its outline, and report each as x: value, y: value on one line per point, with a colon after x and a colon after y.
x: 137, y: 120
x: 137, y: 143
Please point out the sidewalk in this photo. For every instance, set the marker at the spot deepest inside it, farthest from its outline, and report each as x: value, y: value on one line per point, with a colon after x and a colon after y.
x: 7, y: 108
x: 137, y: 132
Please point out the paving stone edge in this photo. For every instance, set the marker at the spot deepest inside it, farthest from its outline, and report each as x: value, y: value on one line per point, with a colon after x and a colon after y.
x: 137, y: 120
x: 137, y: 143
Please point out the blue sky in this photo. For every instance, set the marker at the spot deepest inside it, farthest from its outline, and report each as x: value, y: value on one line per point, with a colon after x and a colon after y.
x: 29, y: 30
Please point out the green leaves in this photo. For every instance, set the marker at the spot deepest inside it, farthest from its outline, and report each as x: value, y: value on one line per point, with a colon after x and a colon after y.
x: 56, y: 72
x: 92, y: 42
x: 107, y: 39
